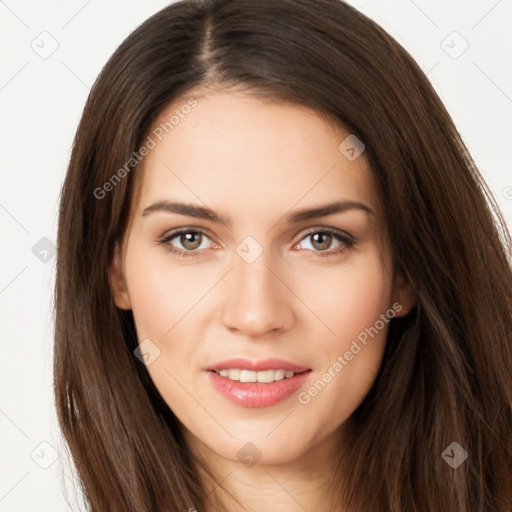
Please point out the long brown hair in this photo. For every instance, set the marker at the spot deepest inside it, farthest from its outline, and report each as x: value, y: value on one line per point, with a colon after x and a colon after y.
x: 446, y: 375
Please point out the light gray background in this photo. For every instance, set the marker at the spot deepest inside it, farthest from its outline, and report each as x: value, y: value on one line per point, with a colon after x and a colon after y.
x: 41, y: 99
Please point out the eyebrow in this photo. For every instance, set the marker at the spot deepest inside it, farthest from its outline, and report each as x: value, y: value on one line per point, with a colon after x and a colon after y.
x: 203, y: 212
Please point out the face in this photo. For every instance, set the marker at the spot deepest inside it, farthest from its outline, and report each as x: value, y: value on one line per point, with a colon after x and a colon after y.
x: 233, y: 254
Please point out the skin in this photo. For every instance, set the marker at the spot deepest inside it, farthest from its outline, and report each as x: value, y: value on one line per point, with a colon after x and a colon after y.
x: 256, y: 162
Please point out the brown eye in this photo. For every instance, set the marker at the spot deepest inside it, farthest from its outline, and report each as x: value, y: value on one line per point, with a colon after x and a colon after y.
x: 321, y: 242
x: 191, y: 240
x: 187, y: 242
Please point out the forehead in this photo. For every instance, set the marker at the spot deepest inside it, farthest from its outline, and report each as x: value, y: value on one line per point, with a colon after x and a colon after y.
x: 231, y: 148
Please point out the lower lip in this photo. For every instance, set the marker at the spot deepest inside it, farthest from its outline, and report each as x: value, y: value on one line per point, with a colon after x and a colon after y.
x: 257, y: 394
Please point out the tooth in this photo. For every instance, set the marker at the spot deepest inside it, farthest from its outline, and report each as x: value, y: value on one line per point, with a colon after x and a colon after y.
x: 265, y: 376
x: 234, y: 374
x: 278, y: 374
x: 247, y: 376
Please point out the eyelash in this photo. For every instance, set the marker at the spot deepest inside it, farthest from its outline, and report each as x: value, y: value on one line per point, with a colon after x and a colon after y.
x: 347, y: 242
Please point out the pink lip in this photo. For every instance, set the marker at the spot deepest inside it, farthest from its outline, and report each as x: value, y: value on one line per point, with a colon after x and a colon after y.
x: 258, y: 366
x: 257, y: 394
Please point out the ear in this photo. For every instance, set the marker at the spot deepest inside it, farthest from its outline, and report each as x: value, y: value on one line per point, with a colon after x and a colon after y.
x: 117, y: 282
x: 403, y: 294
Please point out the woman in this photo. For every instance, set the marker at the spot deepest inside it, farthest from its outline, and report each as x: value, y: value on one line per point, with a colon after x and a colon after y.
x: 281, y: 281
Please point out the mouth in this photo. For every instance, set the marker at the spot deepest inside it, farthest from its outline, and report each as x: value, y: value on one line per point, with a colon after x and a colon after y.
x: 257, y: 384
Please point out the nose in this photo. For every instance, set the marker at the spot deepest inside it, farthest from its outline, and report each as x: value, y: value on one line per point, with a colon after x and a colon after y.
x: 258, y: 300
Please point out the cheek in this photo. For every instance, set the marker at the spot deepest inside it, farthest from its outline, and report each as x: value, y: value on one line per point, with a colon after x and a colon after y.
x: 161, y: 293
x: 351, y: 304
x: 348, y: 300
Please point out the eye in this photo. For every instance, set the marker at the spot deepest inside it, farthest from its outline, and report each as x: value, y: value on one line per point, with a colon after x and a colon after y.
x: 321, y: 241
x: 191, y: 241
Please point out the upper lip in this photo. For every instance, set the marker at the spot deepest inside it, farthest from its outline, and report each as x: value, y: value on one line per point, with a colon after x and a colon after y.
x: 258, y: 366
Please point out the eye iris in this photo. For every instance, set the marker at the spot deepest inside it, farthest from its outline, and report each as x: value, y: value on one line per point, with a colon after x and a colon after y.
x: 326, y: 237
x: 188, y: 238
